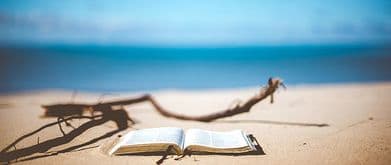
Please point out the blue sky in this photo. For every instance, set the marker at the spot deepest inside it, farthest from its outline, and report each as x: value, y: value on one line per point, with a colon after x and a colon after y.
x: 200, y: 22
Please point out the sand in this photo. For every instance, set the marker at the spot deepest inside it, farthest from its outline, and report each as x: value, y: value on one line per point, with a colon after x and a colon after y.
x: 290, y: 131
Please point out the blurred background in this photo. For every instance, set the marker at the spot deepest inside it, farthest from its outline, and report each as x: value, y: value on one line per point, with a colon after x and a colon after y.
x: 151, y: 45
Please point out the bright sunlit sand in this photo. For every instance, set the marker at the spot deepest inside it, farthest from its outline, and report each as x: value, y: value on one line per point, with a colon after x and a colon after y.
x: 317, y: 124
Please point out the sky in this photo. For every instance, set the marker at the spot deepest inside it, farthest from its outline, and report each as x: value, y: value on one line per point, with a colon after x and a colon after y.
x: 200, y: 22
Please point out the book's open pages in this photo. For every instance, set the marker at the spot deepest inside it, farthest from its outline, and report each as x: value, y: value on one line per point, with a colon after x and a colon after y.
x: 150, y: 140
x: 194, y: 140
x: 236, y: 141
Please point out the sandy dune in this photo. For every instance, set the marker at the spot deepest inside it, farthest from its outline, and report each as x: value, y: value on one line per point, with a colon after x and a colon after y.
x: 323, y: 124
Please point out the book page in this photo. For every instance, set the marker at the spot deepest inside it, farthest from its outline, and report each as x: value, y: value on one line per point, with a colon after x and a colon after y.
x: 148, y: 137
x: 212, y: 139
x: 155, y: 135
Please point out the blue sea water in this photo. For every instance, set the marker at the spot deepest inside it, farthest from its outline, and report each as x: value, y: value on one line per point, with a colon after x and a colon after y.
x: 124, y: 68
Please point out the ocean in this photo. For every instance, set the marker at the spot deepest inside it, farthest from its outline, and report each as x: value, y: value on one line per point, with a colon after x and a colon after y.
x: 113, y: 68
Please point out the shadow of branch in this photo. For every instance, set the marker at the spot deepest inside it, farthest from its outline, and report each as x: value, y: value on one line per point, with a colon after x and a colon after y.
x: 276, y: 123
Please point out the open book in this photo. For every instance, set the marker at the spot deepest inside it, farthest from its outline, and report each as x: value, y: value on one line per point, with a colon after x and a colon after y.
x: 194, y: 140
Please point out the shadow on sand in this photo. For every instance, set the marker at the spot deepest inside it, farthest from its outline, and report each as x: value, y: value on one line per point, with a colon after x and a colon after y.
x: 11, y: 154
x: 276, y: 123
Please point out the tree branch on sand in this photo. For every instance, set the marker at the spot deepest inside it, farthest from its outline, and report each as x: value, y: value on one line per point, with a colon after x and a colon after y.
x: 269, y: 90
x: 60, y: 110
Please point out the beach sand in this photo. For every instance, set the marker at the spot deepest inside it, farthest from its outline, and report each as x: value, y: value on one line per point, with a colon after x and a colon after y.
x: 293, y: 130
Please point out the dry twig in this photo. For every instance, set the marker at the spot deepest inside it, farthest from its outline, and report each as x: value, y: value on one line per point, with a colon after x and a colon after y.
x: 268, y: 90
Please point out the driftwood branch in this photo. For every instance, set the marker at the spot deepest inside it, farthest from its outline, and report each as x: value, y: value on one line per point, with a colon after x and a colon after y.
x: 268, y: 90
